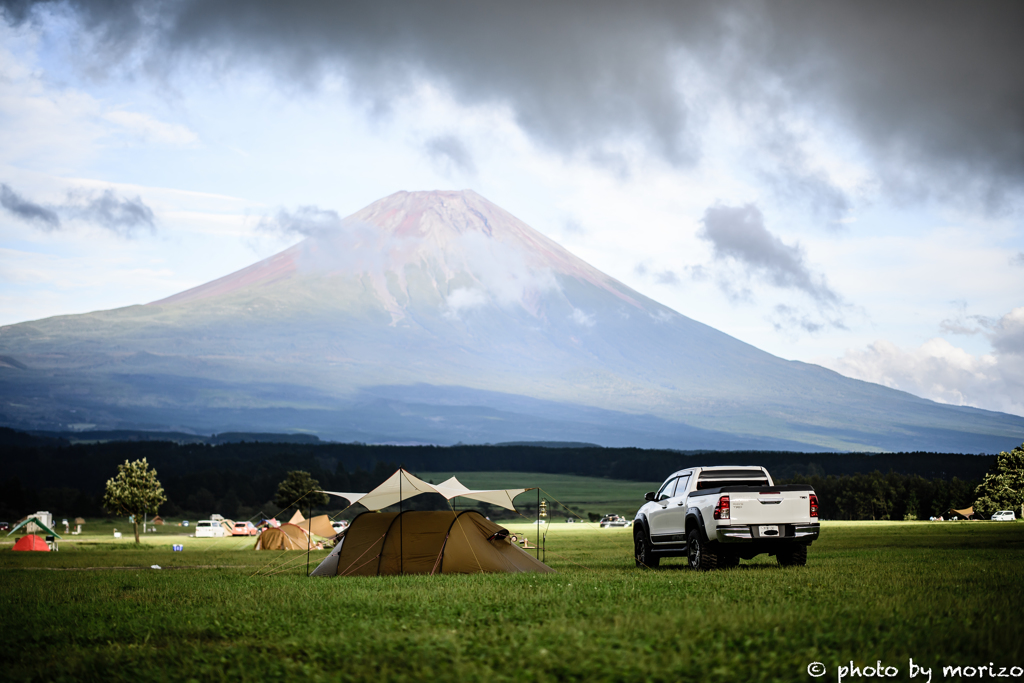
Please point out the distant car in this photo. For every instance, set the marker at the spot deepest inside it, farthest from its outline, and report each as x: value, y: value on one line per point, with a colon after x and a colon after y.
x: 614, y: 520
x: 1004, y: 516
x: 207, y: 528
x: 340, y: 525
x: 4, y: 526
x: 244, y: 529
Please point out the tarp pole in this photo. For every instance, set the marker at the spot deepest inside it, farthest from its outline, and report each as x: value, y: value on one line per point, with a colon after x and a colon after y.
x: 401, y: 537
x: 538, y: 521
x: 309, y: 536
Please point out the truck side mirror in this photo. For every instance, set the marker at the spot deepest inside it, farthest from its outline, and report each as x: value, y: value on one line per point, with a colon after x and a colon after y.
x: 649, y: 496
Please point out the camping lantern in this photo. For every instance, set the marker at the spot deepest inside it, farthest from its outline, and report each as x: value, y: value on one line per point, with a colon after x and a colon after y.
x: 543, y: 508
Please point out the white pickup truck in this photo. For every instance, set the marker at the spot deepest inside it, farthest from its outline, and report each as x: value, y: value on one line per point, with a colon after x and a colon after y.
x: 714, y: 516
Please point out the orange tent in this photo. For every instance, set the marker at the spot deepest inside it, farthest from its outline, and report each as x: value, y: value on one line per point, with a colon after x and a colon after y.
x: 31, y: 542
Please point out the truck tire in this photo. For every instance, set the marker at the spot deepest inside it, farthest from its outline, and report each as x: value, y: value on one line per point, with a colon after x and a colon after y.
x: 700, y: 556
x: 728, y: 560
x: 795, y: 556
x: 645, y: 559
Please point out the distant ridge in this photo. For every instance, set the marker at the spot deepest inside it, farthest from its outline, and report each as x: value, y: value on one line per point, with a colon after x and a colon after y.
x: 438, y: 318
x: 10, y: 437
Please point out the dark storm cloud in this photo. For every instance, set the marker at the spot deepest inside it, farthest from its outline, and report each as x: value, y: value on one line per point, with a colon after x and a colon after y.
x: 107, y: 210
x: 964, y: 324
x: 738, y: 233
x: 450, y: 153
x: 930, y: 89
x: 1006, y: 333
x: 117, y: 214
x: 305, y: 221
x: 27, y: 210
x: 787, y: 317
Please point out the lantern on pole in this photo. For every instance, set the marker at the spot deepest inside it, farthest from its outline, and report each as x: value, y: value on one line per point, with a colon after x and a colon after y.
x: 542, y: 514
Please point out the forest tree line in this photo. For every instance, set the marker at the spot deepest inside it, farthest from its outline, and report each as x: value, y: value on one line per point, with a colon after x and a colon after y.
x: 239, y: 479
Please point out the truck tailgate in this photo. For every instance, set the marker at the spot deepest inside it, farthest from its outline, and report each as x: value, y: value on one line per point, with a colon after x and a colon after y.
x: 786, y: 507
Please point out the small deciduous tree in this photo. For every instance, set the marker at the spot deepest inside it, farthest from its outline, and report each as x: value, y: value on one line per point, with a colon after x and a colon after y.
x: 299, y: 489
x: 134, y: 491
x: 1003, y: 486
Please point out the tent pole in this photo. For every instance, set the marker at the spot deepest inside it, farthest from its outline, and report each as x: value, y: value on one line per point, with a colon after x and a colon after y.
x: 538, y: 521
x: 309, y: 536
x: 401, y: 537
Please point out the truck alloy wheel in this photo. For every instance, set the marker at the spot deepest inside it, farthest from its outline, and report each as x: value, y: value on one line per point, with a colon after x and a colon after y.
x: 698, y: 554
x: 642, y: 551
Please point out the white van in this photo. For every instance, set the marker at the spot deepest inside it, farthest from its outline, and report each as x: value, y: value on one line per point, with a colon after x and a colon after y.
x: 1003, y: 516
x: 208, y: 528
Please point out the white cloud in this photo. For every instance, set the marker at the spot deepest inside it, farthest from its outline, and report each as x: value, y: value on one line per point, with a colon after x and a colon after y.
x: 463, y: 299
x: 581, y: 318
x: 152, y: 130
x: 942, y: 372
x: 501, y: 269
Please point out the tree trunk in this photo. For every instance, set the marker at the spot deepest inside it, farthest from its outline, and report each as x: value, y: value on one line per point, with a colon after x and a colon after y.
x: 135, y: 519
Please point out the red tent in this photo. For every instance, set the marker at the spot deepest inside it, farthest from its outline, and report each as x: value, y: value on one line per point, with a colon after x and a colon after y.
x: 31, y: 542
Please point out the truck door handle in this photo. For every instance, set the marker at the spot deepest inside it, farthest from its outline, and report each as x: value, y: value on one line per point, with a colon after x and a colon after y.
x: 680, y: 503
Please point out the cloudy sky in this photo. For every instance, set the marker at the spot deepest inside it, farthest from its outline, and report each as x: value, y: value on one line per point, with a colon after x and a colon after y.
x: 839, y: 183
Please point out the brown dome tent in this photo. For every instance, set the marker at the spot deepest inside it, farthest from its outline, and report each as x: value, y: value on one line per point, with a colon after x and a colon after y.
x: 285, y: 537
x: 410, y: 542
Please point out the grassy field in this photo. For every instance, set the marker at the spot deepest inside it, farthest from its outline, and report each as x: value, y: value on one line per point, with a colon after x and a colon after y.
x: 585, y: 494
x: 944, y: 594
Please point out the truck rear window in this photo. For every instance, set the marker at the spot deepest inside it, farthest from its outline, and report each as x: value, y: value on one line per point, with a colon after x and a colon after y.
x: 717, y: 478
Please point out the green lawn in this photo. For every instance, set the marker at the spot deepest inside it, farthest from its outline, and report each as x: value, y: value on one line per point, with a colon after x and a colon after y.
x: 589, y: 494
x: 942, y: 593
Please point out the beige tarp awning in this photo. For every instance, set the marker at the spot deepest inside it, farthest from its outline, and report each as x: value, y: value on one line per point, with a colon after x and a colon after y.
x: 319, y: 525
x: 964, y: 513
x: 402, y: 486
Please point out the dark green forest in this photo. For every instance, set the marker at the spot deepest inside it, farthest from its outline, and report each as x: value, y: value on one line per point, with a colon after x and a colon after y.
x: 239, y: 477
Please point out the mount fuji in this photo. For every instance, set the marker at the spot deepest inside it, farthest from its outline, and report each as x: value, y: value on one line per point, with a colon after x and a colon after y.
x: 437, y: 317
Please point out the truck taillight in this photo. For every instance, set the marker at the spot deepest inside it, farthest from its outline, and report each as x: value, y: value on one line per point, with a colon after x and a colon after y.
x: 722, y: 509
x: 814, y: 505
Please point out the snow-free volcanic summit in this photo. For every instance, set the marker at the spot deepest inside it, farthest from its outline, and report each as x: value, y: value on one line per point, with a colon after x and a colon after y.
x: 437, y: 317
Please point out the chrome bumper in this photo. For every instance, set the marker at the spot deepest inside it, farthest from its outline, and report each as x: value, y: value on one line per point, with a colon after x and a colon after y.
x: 743, y: 532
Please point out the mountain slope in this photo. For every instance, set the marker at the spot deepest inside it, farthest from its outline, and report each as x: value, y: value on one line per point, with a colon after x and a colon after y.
x: 438, y: 317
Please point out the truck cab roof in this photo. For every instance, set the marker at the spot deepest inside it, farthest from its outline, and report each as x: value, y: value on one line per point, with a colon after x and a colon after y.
x: 723, y: 472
